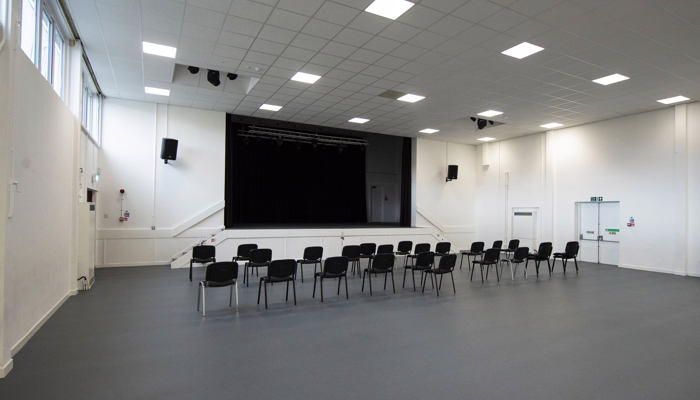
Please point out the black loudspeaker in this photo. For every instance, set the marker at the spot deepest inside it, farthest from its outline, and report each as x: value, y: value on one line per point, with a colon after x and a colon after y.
x: 451, y: 173
x: 168, y: 149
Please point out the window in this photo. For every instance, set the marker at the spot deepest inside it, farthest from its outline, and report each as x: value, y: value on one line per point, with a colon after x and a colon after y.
x: 42, y: 40
x: 91, y: 107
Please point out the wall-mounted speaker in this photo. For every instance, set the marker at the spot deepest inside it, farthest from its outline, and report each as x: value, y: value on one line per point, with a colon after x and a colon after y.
x: 168, y: 149
x: 451, y: 173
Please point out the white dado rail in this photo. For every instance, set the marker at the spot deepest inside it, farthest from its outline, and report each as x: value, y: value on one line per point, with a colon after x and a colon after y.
x: 290, y: 243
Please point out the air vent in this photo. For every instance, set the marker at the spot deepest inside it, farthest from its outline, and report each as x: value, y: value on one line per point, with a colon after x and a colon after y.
x: 392, y: 94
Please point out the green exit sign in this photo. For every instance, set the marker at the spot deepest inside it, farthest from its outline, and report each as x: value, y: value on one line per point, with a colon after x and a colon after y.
x: 596, y: 198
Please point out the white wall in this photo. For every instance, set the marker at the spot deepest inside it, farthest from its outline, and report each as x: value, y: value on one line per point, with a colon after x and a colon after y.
x: 639, y: 160
x: 5, y: 360
x: 157, y: 195
x: 693, y: 217
x: 449, y: 206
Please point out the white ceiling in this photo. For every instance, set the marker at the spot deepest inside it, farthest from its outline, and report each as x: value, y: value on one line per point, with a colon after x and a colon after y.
x: 446, y: 50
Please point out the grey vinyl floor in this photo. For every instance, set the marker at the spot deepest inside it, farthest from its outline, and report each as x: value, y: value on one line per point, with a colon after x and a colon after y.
x: 608, y: 333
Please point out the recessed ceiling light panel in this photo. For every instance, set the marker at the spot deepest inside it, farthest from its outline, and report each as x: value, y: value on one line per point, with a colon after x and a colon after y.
x: 429, y: 131
x: 159, y: 50
x: 486, y: 139
x: 306, y: 78
x: 358, y: 120
x: 391, y: 9
x: 490, y: 113
x: 270, y: 107
x: 610, y: 79
x: 672, y: 100
x: 522, y: 50
x: 157, y: 91
x: 410, y: 98
x: 551, y: 125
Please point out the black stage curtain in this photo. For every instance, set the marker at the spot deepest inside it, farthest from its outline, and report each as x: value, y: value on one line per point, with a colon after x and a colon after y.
x: 406, y: 154
x: 281, y: 183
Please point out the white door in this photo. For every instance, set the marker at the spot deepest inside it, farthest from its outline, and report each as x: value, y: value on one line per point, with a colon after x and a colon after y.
x: 377, y: 203
x: 524, y: 226
x: 598, y: 229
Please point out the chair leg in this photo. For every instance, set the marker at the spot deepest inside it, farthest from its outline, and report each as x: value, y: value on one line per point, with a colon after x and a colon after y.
x: 230, y: 295
x: 403, y: 286
x: 321, y: 289
x: 576, y: 264
x: 385, y: 276
x: 453, y: 282
x: 537, y: 268
x: 438, y: 285
x: 266, y: 295
x: 563, y: 264
x: 259, y: 287
x: 294, y: 291
x: 487, y: 271
x: 481, y: 267
x: 236, y: 290
x: 461, y: 258
x: 549, y: 267
x: 498, y: 277
x: 286, y: 295
x: 369, y: 278
x: 346, y: 286
x: 190, y: 270
x: 313, y: 295
x: 471, y: 277
x: 338, y: 292
x: 363, y: 280
x: 413, y: 277
x: 302, y: 273
x: 393, y: 288
x: 204, y: 302
x: 423, y: 278
x: 199, y: 294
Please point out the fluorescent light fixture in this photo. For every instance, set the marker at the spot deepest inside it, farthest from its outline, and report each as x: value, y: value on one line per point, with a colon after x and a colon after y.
x: 159, y: 49
x: 486, y: 139
x: 391, y: 9
x: 672, y: 100
x: 552, y: 125
x: 306, y: 78
x: 610, y: 79
x: 357, y: 120
x: 522, y: 50
x: 490, y: 113
x: 429, y: 131
x: 270, y: 107
x: 157, y: 91
x: 410, y: 98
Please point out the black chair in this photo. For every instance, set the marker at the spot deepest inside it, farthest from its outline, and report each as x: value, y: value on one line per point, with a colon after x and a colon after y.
x: 446, y: 266
x: 543, y: 253
x: 218, y: 274
x: 519, y: 256
x: 243, y: 252
x: 420, y: 248
x: 367, y: 250
x: 202, y: 255
x: 385, y: 248
x: 404, y: 249
x: 258, y: 258
x: 490, y: 258
x: 424, y: 261
x: 570, y: 253
x: 333, y: 267
x: 513, y: 245
x: 442, y: 248
x: 352, y: 253
x: 312, y: 255
x: 476, y: 250
x: 280, y: 271
x: 497, y: 244
x: 382, y: 264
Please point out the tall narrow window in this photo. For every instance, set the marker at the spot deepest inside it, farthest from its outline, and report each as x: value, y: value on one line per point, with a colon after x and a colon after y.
x: 45, y: 55
x: 58, y: 63
x: 28, y: 38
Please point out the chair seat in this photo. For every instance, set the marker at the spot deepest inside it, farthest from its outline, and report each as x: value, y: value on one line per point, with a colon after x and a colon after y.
x: 402, y: 253
x: 377, y: 271
x: 561, y: 255
x: 329, y: 275
x: 203, y: 260
x: 438, y: 271
x: 218, y: 284
x: 418, y: 267
x: 274, y: 279
x: 471, y: 253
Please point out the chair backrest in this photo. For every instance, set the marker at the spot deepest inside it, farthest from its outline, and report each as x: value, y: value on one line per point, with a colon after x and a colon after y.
x: 383, y: 262
x: 385, y: 248
x: 425, y: 260
x: 282, y: 268
x: 491, y: 256
x: 447, y: 263
x: 351, y: 251
x: 223, y: 271
x: 477, y: 247
x: 404, y: 246
x: 513, y: 244
x: 545, y: 250
x: 443, y: 248
x: 244, y: 249
x: 498, y: 244
x: 421, y: 248
x: 335, y: 265
x: 313, y: 253
x: 520, y: 254
x: 259, y: 256
x: 203, y: 252
x: 367, y: 249
x: 571, y: 249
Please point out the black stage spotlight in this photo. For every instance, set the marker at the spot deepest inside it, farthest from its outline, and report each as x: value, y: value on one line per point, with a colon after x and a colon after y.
x: 213, y: 77
x: 231, y: 76
x: 193, y: 70
x: 481, y: 123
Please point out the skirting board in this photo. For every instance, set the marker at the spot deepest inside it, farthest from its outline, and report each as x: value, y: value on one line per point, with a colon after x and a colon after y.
x: 20, y: 343
x: 651, y: 269
x: 5, y: 369
x: 134, y: 264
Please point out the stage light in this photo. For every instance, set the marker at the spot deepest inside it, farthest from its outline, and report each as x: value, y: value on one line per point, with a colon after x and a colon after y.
x: 231, y: 76
x: 192, y: 69
x: 213, y: 77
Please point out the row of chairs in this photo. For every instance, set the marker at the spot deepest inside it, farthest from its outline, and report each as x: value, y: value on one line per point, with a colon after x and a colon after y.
x: 492, y: 257
x: 380, y: 261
